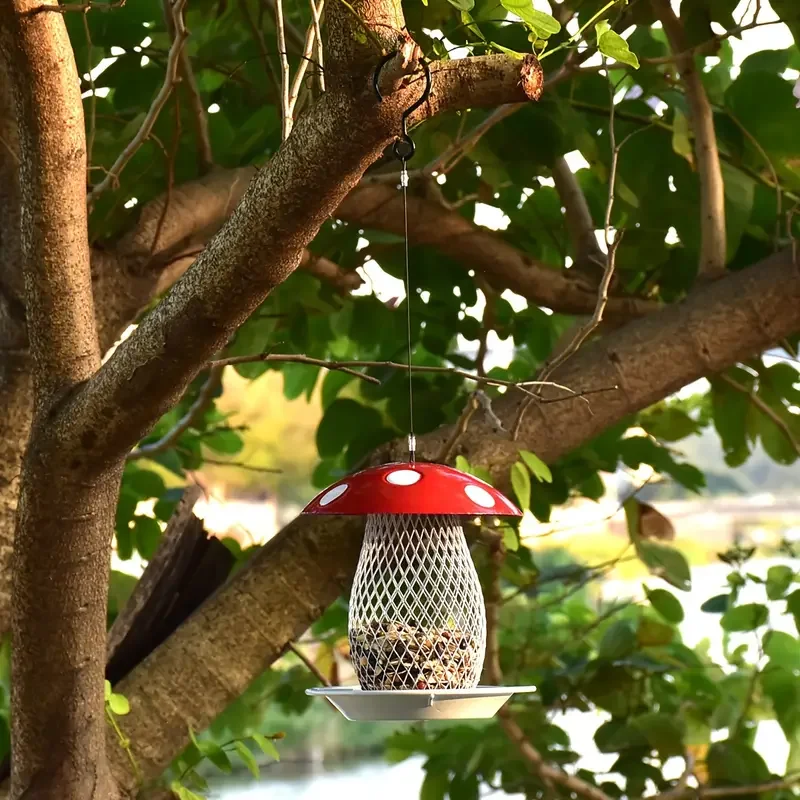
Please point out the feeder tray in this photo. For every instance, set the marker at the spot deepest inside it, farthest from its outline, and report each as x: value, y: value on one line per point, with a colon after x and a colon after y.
x: 357, y: 705
x: 417, y: 622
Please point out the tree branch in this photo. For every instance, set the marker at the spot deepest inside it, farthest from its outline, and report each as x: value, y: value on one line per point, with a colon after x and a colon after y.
x: 170, y: 80
x: 205, y: 157
x: 280, y: 213
x: 306, y: 566
x: 194, y: 412
x: 588, y: 256
x: 713, y: 253
x: 286, y: 107
x: 379, y: 206
x: 548, y: 774
x: 59, y: 304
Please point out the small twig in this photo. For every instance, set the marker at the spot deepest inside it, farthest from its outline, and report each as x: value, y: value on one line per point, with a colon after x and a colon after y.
x: 612, y: 244
x: 90, y: 133
x: 204, y: 155
x: 263, y: 51
x: 312, y: 667
x: 349, y: 367
x: 306, y: 58
x: 708, y: 44
x: 286, y: 109
x: 82, y: 7
x: 764, y: 409
x: 218, y: 462
x: 772, y: 171
x: 195, y: 410
x: 170, y: 80
x: 297, y: 359
x: 316, y: 11
x: 293, y: 34
x: 173, y: 154
x: 718, y: 792
x: 459, y: 429
x: 370, y: 34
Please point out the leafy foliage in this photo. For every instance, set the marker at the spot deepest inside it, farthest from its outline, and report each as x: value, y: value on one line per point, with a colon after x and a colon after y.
x: 659, y: 698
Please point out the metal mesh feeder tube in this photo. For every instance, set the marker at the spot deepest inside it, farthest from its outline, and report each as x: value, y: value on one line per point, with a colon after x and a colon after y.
x: 417, y: 622
x: 417, y: 619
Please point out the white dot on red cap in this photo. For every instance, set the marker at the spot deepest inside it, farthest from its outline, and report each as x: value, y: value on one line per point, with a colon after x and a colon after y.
x: 479, y: 495
x: 333, y: 494
x: 403, y: 477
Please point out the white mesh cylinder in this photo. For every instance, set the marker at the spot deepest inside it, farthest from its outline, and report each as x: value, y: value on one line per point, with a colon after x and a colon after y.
x: 417, y: 618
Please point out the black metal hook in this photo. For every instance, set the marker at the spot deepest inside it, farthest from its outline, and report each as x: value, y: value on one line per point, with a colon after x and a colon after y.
x: 405, y: 139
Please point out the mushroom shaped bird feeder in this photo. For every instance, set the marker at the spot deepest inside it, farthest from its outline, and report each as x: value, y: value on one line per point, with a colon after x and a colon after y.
x: 417, y: 622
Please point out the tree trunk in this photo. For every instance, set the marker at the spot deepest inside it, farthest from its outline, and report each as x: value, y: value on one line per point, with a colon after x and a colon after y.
x: 60, y: 581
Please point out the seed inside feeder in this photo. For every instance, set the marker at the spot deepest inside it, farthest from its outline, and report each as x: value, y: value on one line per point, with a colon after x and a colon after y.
x: 417, y: 618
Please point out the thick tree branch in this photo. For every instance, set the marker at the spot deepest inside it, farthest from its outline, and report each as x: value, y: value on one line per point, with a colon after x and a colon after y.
x: 379, y: 206
x: 60, y: 310
x: 303, y: 569
x: 713, y: 252
x: 281, y: 212
x: 62, y: 545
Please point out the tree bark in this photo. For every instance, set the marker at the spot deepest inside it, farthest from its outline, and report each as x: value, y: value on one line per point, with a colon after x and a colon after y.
x: 62, y: 546
x: 303, y: 569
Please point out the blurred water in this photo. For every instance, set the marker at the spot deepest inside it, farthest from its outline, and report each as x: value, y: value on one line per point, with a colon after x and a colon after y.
x: 317, y: 781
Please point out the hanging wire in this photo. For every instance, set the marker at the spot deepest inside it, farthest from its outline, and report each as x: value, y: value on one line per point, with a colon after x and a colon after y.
x: 403, y: 150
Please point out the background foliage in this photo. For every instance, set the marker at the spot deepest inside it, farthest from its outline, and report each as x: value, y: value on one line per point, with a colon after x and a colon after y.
x: 661, y: 698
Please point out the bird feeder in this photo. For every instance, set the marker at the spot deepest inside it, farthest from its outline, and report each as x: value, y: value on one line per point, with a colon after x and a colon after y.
x: 417, y: 622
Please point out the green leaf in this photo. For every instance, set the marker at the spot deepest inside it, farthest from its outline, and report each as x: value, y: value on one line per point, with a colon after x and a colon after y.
x: 343, y: 419
x: 119, y: 704
x: 463, y: 5
x: 107, y: 689
x: 521, y: 482
x: 664, y: 732
x: 779, y: 578
x: 783, y: 650
x: 510, y: 539
x: 681, y: 132
x: 538, y: 468
x: 434, y: 787
x: 667, y: 563
x: 182, y: 792
x: 247, y: 757
x: 718, y: 604
x: 267, y: 746
x: 147, y: 533
x: 471, y: 25
x: 213, y: 752
x: 611, y: 44
x: 666, y: 604
x: 746, y: 617
x: 652, y: 633
x: 223, y: 441
x: 733, y: 762
x: 543, y: 25
x: 513, y: 53
x: 632, y: 519
x: 144, y: 482
x: 618, y: 640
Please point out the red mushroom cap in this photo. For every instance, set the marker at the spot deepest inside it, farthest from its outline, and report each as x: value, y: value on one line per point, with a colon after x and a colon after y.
x: 412, y: 488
